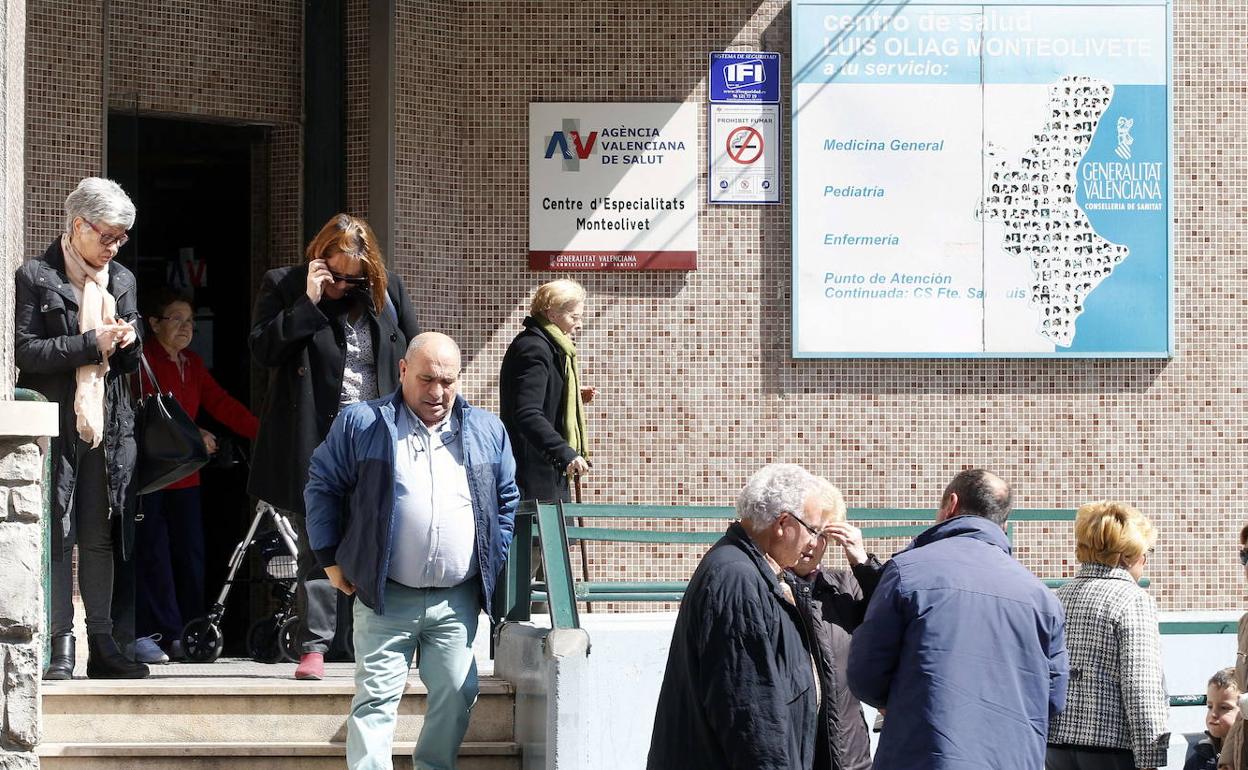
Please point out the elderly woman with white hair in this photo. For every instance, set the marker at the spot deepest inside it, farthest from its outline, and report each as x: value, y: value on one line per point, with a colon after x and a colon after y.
x: 76, y: 340
x: 833, y: 603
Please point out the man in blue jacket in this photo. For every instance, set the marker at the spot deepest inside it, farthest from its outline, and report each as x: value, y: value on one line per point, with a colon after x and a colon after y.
x: 410, y: 503
x: 962, y: 646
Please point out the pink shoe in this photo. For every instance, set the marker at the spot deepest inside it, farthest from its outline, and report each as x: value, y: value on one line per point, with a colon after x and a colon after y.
x: 311, y: 666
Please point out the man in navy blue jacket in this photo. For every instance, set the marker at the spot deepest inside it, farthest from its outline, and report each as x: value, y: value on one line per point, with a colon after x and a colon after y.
x: 962, y: 646
x: 411, y: 501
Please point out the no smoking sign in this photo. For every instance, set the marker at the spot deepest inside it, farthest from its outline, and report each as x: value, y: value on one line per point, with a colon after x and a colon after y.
x: 744, y: 153
x: 745, y: 145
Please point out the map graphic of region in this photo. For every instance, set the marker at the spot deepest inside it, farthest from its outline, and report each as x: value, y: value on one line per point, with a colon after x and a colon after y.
x: 1034, y: 196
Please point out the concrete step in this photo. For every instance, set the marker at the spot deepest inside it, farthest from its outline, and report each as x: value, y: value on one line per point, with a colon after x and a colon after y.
x: 242, y: 710
x: 289, y: 755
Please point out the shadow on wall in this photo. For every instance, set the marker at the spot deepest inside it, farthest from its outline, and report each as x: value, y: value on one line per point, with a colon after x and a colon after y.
x: 897, y: 376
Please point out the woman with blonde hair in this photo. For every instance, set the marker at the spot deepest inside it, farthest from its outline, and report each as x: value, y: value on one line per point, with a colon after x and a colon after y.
x: 332, y: 332
x: 541, y: 399
x: 1116, y: 706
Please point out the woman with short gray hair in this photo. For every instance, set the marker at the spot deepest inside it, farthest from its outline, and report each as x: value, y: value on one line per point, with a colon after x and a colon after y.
x: 76, y: 335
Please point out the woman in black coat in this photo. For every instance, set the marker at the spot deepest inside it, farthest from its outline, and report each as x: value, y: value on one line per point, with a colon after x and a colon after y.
x: 542, y: 410
x: 76, y: 340
x: 832, y: 603
x: 331, y: 332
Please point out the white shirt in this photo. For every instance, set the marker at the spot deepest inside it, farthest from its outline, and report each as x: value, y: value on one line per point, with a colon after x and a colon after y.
x: 435, y: 531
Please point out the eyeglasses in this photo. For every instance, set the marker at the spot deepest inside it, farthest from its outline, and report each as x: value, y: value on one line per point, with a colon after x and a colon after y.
x: 107, y: 239
x: 814, y: 532
x: 1243, y: 556
x: 350, y: 280
x: 179, y: 321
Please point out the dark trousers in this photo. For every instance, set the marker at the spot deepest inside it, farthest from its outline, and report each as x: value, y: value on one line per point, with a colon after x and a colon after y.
x: 93, y: 530
x: 1088, y: 758
x: 169, y: 563
x: 324, y: 612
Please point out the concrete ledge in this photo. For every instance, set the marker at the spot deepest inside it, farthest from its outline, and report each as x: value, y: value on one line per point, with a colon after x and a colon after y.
x: 239, y: 687
x: 29, y: 418
x: 287, y: 749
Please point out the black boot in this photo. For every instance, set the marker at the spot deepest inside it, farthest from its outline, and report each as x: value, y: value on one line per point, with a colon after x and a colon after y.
x: 105, y: 661
x: 62, y: 664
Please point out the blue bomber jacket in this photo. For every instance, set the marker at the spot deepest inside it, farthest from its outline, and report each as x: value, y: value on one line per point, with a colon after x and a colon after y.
x: 350, y: 494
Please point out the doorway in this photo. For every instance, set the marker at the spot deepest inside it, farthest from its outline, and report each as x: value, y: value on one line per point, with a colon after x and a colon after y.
x: 201, y: 228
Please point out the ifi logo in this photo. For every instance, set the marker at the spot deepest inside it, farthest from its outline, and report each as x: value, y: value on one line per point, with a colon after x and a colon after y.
x: 580, y: 148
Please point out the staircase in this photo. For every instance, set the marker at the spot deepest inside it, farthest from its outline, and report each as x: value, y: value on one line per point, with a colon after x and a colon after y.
x: 244, y: 715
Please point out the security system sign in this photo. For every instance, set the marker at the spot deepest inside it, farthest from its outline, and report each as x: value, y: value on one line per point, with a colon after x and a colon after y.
x: 745, y: 76
x: 744, y: 153
x: 613, y: 186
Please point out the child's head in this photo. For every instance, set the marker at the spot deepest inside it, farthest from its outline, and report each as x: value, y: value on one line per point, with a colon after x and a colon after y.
x: 1243, y: 549
x: 1222, y: 699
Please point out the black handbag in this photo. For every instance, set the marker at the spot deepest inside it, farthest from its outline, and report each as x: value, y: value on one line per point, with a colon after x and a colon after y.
x: 170, y: 445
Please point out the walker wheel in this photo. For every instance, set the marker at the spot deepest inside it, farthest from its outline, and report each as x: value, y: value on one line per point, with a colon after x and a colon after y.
x: 262, y: 641
x: 288, y: 639
x: 202, y: 641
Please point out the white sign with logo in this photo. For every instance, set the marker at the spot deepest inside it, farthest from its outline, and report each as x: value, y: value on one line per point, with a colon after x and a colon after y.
x: 744, y: 153
x: 613, y: 186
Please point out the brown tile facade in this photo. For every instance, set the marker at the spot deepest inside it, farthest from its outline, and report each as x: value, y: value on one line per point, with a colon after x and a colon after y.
x: 697, y: 386
x: 237, y: 61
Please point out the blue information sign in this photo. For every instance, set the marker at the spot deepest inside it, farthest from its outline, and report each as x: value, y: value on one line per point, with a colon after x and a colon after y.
x: 745, y: 76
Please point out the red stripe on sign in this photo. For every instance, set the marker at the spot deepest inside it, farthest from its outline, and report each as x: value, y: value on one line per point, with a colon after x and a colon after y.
x: 613, y: 260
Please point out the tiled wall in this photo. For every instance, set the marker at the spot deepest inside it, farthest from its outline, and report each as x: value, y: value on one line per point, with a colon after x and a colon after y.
x: 64, y: 132
x: 238, y: 61
x: 697, y: 386
x: 357, y: 107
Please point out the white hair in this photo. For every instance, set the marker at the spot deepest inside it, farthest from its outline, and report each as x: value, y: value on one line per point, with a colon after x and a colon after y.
x: 831, y: 501
x: 774, y: 489
x: 100, y: 202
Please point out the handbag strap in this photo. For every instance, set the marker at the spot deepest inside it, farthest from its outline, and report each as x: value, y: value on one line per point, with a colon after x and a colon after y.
x: 146, y: 367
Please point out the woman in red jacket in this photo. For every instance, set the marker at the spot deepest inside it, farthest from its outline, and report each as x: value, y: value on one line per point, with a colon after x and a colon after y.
x: 169, y: 569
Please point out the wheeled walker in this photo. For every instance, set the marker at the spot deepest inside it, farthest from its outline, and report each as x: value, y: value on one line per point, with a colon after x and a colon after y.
x: 272, y: 638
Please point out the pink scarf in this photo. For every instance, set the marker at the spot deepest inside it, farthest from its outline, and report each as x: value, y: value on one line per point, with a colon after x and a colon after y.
x: 96, y: 307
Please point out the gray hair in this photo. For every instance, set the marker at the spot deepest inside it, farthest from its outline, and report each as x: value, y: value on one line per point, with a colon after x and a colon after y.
x: 774, y: 489
x: 981, y: 493
x: 100, y: 202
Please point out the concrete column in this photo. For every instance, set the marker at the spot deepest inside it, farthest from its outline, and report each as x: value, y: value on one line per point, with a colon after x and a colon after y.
x: 12, y: 173
x: 24, y: 430
x: 21, y: 425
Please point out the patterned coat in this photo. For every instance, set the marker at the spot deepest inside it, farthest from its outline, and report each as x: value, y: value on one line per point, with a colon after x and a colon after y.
x: 1117, y: 696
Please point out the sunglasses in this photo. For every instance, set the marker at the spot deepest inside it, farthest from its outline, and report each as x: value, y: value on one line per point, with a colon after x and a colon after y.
x: 1243, y: 556
x: 350, y: 280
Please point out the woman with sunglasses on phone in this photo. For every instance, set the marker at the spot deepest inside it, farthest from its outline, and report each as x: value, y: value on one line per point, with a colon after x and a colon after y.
x: 76, y: 341
x: 331, y: 332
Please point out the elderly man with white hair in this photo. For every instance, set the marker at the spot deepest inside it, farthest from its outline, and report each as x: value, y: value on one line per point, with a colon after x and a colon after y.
x: 76, y: 340
x: 740, y: 688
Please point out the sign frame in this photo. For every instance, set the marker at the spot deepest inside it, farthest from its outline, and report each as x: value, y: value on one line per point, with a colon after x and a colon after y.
x: 1170, y: 289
